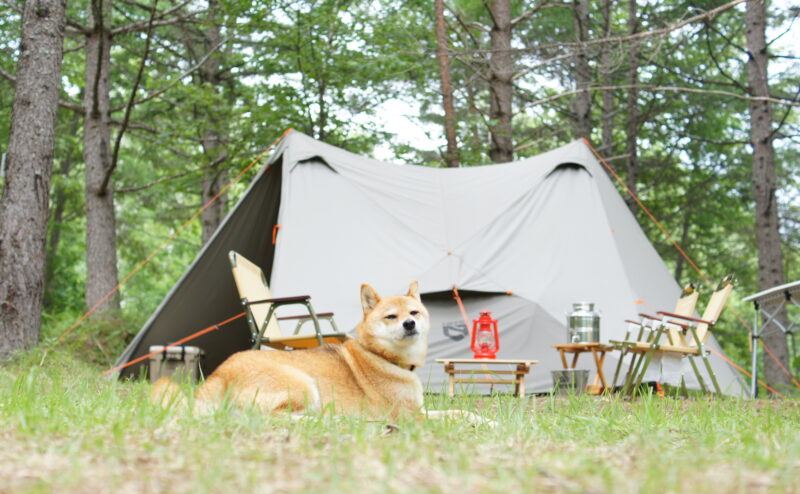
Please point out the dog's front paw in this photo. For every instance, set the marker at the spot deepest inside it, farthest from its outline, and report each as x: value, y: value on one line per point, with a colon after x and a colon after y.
x: 475, y: 420
x: 472, y: 418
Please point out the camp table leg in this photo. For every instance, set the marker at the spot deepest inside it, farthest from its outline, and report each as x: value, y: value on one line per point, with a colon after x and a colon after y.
x: 450, y: 368
x: 599, y: 358
x: 575, y: 356
x: 563, y: 358
x: 519, y: 385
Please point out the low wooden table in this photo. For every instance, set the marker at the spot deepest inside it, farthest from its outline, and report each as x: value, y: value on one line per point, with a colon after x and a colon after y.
x: 598, y: 352
x: 518, y: 380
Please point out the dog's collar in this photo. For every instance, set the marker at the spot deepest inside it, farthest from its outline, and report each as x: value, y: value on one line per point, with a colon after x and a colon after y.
x: 409, y: 368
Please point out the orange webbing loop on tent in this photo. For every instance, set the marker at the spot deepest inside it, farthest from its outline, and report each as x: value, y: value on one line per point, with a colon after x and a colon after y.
x: 683, y: 253
x: 732, y: 364
x: 275, y: 234
x: 213, y: 327
x: 169, y: 239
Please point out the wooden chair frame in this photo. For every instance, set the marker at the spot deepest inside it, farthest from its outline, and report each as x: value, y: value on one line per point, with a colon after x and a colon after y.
x: 678, y: 328
x: 249, y: 278
x: 647, y: 326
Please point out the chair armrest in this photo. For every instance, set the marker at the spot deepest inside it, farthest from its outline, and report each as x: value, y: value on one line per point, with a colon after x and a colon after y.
x: 306, y: 316
x: 630, y: 321
x: 282, y: 300
x: 648, y: 316
x: 623, y: 343
x: 686, y: 318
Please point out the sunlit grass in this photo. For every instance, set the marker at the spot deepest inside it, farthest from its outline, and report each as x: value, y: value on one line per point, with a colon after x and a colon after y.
x: 65, y: 429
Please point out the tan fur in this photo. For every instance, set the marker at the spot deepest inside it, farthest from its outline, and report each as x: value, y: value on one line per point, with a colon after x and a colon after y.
x: 368, y: 375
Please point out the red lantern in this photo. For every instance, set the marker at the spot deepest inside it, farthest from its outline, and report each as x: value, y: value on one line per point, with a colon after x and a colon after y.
x: 485, y: 337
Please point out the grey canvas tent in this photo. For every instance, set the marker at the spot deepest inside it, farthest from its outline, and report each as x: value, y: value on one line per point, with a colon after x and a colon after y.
x: 523, y: 239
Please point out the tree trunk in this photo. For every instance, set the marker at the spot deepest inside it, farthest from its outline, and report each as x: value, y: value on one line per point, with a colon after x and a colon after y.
x: 212, y: 216
x: 451, y: 156
x: 24, y: 208
x: 59, y: 201
x: 101, y: 245
x: 770, y: 260
x: 213, y: 136
x: 583, y: 100
x: 631, y: 147
x: 607, y: 137
x: 501, y: 68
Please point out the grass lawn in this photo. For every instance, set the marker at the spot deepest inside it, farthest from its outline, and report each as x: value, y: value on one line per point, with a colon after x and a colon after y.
x: 65, y: 429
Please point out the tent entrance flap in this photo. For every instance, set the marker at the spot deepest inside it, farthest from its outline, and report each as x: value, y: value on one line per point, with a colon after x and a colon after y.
x: 526, y: 332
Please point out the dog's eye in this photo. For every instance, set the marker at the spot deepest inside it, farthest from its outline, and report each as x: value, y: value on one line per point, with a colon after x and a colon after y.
x: 414, y: 312
x: 391, y: 317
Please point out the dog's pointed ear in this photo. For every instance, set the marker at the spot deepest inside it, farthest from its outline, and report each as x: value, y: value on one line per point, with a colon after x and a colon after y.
x: 413, y: 290
x: 369, y: 298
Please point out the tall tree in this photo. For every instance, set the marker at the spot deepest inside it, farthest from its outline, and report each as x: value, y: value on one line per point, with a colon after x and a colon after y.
x: 206, y: 44
x: 451, y: 156
x: 770, y: 257
x: 606, y: 71
x: 24, y: 208
x: 501, y: 82
x: 583, y: 76
x: 101, y: 241
x: 632, y: 131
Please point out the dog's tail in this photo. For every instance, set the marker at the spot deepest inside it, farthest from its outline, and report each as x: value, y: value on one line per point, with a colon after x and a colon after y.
x: 167, y: 394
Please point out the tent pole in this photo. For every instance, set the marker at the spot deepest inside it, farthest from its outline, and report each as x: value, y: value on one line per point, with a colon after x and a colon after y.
x: 754, y: 344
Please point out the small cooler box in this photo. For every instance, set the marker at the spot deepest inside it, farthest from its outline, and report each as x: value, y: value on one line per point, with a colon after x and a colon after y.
x: 181, y: 362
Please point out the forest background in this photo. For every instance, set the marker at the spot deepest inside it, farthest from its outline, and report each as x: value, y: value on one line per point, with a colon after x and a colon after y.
x: 161, y: 103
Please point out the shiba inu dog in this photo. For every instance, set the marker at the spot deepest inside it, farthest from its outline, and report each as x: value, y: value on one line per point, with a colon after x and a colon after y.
x: 371, y: 375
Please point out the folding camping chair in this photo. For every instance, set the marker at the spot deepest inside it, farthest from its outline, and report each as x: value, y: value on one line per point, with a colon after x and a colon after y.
x: 645, y: 328
x: 260, y: 307
x: 677, y: 328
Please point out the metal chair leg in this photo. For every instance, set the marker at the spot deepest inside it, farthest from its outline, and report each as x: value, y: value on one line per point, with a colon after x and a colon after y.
x: 316, y: 321
x: 257, y: 343
x: 622, y: 354
x: 647, y: 359
x: 699, y: 376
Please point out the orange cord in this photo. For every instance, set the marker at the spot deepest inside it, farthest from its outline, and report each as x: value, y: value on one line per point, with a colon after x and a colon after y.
x: 169, y: 239
x: 179, y: 342
x: 464, y: 316
x: 731, y: 363
x: 780, y: 364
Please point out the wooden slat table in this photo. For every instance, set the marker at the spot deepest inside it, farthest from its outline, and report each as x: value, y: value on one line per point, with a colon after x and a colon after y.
x: 598, y: 352
x: 517, y: 375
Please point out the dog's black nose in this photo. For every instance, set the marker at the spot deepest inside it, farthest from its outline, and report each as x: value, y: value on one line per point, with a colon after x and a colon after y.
x: 409, y: 324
